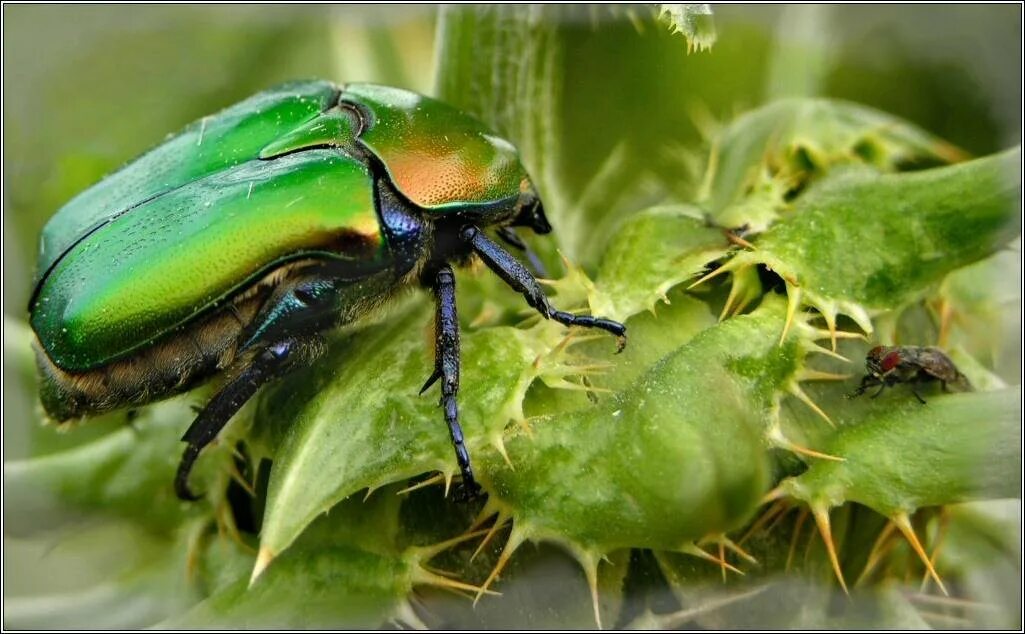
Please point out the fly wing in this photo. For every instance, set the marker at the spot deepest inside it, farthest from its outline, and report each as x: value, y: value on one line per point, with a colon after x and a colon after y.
x: 938, y: 365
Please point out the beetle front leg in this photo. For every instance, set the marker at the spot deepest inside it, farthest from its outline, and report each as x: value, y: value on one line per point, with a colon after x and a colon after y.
x: 519, y: 278
x: 513, y: 239
x: 266, y: 365
x: 446, y: 368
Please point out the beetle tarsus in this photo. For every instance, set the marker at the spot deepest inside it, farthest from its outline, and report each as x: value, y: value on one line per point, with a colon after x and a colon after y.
x: 468, y: 491
x: 519, y: 278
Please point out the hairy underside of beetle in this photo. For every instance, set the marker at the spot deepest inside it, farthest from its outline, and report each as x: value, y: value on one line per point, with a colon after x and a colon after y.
x: 179, y: 361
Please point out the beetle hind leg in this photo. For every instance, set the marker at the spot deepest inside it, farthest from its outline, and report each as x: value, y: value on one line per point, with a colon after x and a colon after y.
x: 266, y: 365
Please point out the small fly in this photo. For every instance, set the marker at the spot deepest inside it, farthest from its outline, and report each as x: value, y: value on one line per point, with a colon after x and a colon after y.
x: 889, y: 365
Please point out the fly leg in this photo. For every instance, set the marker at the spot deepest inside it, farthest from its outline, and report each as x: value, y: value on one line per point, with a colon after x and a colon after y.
x: 519, y: 278
x: 446, y: 368
x: 867, y: 382
x: 266, y: 365
x: 911, y: 386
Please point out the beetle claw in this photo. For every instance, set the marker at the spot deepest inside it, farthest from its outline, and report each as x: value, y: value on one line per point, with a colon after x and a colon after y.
x: 182, y: 490
x: 181, y: 479
x: 620, y: 343
x: 468, y: 492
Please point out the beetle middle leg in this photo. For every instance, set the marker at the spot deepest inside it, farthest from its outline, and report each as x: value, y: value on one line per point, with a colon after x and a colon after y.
x: 446, y: 368
x: 519, y: 278
x: 266, y: 365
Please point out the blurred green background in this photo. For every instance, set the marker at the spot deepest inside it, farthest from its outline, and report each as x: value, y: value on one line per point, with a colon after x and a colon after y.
x: 87, y: 88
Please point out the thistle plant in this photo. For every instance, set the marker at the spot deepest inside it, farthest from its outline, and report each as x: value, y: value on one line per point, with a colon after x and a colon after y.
x: 713, y: 474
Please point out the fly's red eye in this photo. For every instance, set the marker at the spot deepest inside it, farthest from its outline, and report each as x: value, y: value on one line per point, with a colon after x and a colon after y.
x: 890, y: 361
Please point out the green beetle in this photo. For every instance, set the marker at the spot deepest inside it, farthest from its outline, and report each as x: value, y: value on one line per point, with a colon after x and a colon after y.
x: 234, y: 245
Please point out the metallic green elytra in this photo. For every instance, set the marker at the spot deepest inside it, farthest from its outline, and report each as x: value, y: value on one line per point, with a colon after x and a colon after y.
x: 236, y: 243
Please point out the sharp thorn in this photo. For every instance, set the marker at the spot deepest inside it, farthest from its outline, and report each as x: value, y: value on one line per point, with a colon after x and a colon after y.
x: 435, y: 479
x: 793, y: 301
x: 822, y: 519
x: 796, y: 390
x: 263, y: 559
x: 717, y: 272
x: 692, y: 549
x: 499, y: 522
x: 798, y: 525
x: 514, y: 541
x: 904, y: 524
x: 876, y: 553
x: 778, y: 506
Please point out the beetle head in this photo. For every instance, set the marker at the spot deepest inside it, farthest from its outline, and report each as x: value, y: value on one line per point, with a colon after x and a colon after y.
x: 530, y: 213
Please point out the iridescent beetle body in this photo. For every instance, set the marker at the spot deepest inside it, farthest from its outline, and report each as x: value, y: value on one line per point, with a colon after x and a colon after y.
x: 235, y: 244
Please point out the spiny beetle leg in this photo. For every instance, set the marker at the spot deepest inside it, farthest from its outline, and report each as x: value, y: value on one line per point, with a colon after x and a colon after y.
x: 510, y: 237
x: 519, y: 278
x: 266, y: 365
x: 446, y: 369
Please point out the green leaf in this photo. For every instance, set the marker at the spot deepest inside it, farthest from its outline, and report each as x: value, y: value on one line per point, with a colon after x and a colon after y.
x: 111, y: 574
x: 900, y: 455
x: 127, y: 472
x: 651, y: 252
x: 762, y: 158
x: 346, y: 572
x: 693, y: 21
x: 355, y: 421
x: 859, y: 242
